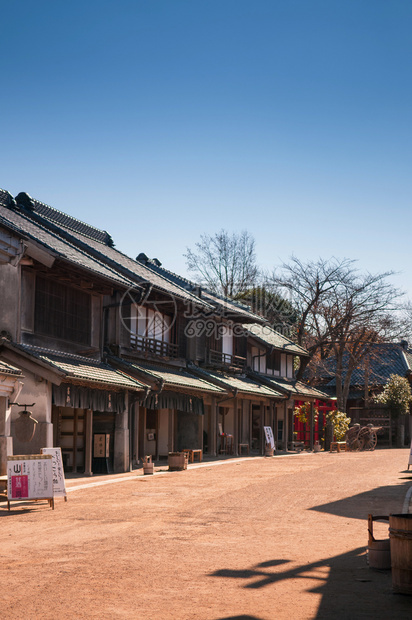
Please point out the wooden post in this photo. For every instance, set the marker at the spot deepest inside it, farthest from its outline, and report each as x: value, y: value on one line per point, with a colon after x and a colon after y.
x: 88, y: 443
x: 170, y: 431
x: 200, y: 435
x: 311, y: 428
x: 213, y: 428
x: 235, y: 427
x: 136, y: 413
x: 262, y: 424
x: 286, y: 425
x: 250, y: 424
x: 75, y: 422
x: 157, y: 433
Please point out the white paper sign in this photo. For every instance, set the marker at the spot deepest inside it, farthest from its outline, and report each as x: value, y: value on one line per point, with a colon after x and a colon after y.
x: 269, y: 437
x: 59, y: 486
x: 29, y: 477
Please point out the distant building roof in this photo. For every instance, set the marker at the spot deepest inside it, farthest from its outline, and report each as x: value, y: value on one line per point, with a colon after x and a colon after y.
x: 295, y: 389
x: 241, y: 383
x: 381, y: 361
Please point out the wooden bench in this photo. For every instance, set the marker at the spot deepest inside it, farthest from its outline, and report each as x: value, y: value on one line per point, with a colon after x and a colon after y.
x: 338, y: 446
x: 243, y: 445
x: 191, y: 454
x: 297, y: 445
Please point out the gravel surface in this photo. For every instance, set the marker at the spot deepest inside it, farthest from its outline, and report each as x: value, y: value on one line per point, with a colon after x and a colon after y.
x: 253, y: 538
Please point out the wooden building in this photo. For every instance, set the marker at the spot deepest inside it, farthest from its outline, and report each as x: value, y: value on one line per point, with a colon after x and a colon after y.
x: 121, y: 348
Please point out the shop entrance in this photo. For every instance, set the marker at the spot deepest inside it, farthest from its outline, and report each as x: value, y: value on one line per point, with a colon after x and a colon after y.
x: 69, y: 434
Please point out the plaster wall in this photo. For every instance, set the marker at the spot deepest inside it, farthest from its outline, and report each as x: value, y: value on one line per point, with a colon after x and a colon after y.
x: 38, y: 391
x: 10, y: 299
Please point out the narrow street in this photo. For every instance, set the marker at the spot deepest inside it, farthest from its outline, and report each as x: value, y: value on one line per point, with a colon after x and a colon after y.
x: 257, y: 538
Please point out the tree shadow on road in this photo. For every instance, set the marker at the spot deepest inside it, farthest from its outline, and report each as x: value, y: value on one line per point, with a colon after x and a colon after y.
x: 348, y: 588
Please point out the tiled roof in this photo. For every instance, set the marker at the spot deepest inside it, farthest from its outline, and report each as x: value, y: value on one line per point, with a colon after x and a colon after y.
x: 137, y: 270
x: 8, y: 369
x: 172, y: 376
x: 229, y: 308
x: 242, y: 383
x: 297, y: 389
x: 83, y: 369
x: 22, y: 225
x: 71, y: 223
x: 269, y: 336
x: 85, y: 245
x: 382, y: 361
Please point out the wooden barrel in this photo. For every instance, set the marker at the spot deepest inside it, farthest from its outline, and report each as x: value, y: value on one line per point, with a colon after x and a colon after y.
x: 379, y: 551
x: 400, y: 534
x: 379, y: 554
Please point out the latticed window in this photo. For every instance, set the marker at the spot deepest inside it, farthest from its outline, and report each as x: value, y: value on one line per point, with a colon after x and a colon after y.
x: 62, y: 311
x: 273, y: 360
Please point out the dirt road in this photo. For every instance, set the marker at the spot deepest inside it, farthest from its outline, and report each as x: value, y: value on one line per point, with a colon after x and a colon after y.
x: 258, y: 538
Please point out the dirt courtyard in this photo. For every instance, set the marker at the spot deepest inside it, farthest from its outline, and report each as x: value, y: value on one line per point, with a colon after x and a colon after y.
x: 253, y: 538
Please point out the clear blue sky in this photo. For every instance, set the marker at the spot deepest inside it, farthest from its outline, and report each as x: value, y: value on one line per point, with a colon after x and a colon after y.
x: 159, y: 120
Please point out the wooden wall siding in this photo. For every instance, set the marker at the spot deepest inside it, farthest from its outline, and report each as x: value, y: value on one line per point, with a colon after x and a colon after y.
x: 240, y: 346
x: 62, y: 312
x: 179, y: 336
x: 28, y: 287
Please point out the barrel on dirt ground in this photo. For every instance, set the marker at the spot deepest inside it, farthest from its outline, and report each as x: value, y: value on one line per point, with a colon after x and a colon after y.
x: 379, y: 551
x: 379, y: 554
x: 400, y: 533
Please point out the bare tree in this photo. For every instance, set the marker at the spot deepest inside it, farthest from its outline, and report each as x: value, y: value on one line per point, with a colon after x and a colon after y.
x: 225, y: 263
x: 342, y: 313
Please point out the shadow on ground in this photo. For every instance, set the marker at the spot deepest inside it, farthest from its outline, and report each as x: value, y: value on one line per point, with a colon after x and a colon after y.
x: 348, y: 588
x: 381, y: 500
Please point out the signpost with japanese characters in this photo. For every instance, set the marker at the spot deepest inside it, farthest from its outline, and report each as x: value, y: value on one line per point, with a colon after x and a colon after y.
x: 30, y: 477
x: 270, y: 440
x: 59, y: 486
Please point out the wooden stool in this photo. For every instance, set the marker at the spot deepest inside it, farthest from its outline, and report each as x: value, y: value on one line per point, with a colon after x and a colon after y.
x: 243, y: 445
x: 196, y: 453
x: 336, y: 446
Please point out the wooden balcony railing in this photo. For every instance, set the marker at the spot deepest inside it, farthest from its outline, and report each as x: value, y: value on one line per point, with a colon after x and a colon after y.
x: 217, y: 358
x: 153, y: 346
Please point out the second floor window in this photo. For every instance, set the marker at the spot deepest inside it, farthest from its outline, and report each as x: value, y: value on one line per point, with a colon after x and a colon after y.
x: 150, y: 323
x: 273, y: 361
x: 62, y: 311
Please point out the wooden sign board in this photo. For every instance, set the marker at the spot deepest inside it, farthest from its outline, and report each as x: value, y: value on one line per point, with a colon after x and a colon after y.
x: 59, y: 486
x: 29, y: 477
x: 101, y: 446
x: 270, y: 440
